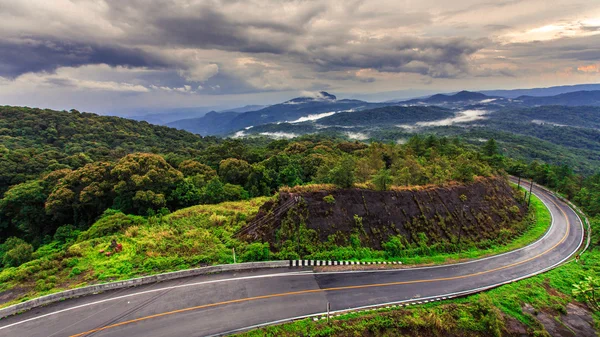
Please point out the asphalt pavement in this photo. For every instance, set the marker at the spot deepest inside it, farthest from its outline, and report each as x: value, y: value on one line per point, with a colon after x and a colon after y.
x: 224, y: 303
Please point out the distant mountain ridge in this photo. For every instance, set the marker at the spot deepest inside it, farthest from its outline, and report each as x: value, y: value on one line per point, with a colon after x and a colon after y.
x: 537, y: 92
x: 576, y: 98
x: 463, y: 97
x: 293, y: 109
x: 387, y: 115
x: 329, y: 110
x: 213, y: 123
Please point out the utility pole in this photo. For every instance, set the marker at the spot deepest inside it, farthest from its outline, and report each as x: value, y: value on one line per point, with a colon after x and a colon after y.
x: 519, y: 181
x: 328, y: 310
x: 298, y: 241
x: 530, y: 189
x: 460, y: 228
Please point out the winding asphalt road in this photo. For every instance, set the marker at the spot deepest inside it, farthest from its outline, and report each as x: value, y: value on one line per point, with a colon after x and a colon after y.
x: 225, y: 303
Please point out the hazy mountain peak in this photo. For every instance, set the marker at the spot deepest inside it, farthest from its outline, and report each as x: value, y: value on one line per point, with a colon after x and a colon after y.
x: 467, y: 95
x: 312, y: 97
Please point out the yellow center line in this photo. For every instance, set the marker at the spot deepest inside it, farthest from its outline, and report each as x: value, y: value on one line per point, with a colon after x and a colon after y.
x: 301, y: 292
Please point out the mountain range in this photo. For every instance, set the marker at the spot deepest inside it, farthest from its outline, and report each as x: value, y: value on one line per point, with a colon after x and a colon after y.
x: 324, y: 109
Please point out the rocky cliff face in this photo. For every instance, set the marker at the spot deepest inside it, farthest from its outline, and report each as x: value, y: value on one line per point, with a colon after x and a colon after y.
x: 486, y: 208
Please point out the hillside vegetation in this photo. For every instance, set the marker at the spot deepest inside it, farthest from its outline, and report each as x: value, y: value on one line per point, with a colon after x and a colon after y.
x: 171, y: 200
x: 79, y: 165
x: 38, y: 141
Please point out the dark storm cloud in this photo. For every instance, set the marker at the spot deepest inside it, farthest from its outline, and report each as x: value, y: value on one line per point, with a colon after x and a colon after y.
x: 213, y: 31
x: 432, y: 57
x: 36, y: 55
x: 212, y: 25
x: 208, y: 26
x: 585, y: 48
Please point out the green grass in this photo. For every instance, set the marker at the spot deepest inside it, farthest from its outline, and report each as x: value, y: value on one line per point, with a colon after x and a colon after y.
x: 199, y: 235
x: 474, y: 319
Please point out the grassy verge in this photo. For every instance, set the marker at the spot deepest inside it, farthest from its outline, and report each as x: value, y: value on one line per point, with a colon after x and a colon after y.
x: 192, y: 237
x: 493, y: 313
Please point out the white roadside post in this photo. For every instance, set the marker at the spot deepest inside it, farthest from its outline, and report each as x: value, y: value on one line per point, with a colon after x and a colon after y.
x: 233, y: 250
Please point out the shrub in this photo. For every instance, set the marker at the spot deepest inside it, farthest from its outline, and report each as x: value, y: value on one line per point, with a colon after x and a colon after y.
x: 66, y: 233
x: 514, y: 209
x: 234, y: 192
x: 18, y: 255
x: 329, y: 199
x: 394, y: 247
x: 257, y: 252
x: 74, y: 272
x: 111, y: 224
x: 45, y: 285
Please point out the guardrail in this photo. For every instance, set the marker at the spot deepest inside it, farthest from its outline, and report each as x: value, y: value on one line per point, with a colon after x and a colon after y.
x: 319, y: 263
x: 95, y: 289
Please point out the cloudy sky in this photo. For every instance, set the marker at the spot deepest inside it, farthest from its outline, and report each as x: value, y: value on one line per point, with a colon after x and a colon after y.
x: 120, y: 56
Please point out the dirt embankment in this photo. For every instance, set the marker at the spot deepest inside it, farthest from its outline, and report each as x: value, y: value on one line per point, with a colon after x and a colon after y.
x: 487, y: 208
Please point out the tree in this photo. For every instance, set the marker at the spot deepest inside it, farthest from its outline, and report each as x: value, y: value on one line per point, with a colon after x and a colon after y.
x: 234, y: 171
x: 191, y: 168
x: 290, y: 175
x: 234, y: 192
x: 213, y: 192
x: 23, y: 207
x: 490, y: 148
x: 143, y: 181
x: 80, y: 196
x: 382, y: 179
x: 186, y: 194
x: 342, y: 173
x: 259, y: 182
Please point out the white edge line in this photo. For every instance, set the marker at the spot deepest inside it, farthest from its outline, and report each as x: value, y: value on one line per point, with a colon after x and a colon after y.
x: 153, y: 291
x: 449, y: 295
x: 299, y: 273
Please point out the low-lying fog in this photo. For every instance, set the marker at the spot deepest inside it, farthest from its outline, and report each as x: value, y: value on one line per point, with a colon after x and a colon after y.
x: 460, y: 117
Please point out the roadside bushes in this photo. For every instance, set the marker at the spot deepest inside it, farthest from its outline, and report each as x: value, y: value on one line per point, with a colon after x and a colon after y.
x: 15, y: 252
x: 257, y: 252
x: 111, y: 222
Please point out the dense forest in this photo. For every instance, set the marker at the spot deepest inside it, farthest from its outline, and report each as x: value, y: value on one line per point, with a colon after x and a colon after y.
x: 61, y: 171
x: 77, y: 165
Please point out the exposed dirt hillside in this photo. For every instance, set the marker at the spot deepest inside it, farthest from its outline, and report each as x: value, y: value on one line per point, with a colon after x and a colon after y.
x: 487, y: 208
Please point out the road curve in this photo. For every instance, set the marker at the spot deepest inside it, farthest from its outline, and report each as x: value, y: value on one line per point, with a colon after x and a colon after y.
x: 224, y: 303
